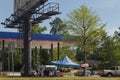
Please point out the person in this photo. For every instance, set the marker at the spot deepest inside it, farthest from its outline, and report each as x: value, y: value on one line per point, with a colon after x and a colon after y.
x: 46, y: 72
x: 57, y: 72
x: 50, y: 73
x: 92, y: 72
x: 37, y: 72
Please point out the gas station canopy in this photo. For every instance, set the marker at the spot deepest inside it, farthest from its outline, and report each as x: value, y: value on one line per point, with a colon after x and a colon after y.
x: 37, y: 40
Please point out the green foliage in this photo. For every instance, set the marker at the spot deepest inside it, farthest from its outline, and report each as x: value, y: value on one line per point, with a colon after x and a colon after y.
x: 35, y: 57
x: 85, y: 28
x: 40, y: 57
x: 79, y: 54
x: 108, y: 52
x: 18, y: 57
x: 117, y: 33
x: 57, y: 26
x: 6, y: 59
x: 69, y: 53
x: 63, y: 52
x: 45, y: 57
x: 38, y: 30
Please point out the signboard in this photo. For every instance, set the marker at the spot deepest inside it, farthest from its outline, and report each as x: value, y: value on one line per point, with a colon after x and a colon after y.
x: 11, y: 46
x: 22, y: 5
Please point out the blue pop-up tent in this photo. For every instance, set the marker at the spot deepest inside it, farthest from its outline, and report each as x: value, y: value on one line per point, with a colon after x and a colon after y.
x: 65, y: 61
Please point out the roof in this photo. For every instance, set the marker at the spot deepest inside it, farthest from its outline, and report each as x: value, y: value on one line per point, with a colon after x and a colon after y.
x: 43, y: 37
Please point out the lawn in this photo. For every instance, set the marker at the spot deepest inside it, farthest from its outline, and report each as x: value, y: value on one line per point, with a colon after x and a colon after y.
x: 60, y: 78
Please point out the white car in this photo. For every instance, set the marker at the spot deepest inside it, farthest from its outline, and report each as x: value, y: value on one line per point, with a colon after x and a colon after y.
x: 41, y: 70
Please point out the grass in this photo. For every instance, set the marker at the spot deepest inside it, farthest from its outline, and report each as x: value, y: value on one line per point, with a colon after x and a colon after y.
x: 59, y: 78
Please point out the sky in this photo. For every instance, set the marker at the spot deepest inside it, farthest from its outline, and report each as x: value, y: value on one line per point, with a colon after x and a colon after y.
x: 107, y: 10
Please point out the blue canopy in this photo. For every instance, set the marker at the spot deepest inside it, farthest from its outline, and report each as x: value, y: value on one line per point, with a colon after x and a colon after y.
x: 65, y: 61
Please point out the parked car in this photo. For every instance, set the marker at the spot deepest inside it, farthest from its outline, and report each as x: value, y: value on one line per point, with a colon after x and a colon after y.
x: 45, y: 70
x: 114, y: 71
x: 48, y: 70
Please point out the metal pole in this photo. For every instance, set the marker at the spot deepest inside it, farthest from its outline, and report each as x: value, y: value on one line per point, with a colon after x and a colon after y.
x: 2, y: 56
x: 27, y: 48
x: 85, y: 59
x: 51, y: 51
x: 58, y: 44
x: 13, y: 63
x: 8, y: 63
x: 40, y: 54
x: 36, y: 58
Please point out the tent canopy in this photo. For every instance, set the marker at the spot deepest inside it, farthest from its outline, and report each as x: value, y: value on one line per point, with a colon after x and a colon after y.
x: 65, y: 61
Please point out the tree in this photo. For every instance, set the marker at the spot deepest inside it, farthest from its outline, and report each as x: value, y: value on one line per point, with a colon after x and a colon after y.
x: 85, y: 27
x: 108, y: 52
x: 117, y: 33
x: 18, y: 59
x: 45, y: 57
x: 37, y: 29
x: 35, y: 57
x: 63, y: 52
x: 57, y: 26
